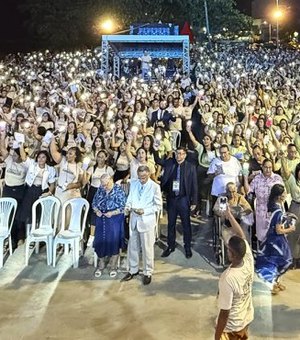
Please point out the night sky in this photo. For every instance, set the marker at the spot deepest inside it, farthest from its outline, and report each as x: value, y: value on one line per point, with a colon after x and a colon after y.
x: 13, y: 36
x: 12, y: 31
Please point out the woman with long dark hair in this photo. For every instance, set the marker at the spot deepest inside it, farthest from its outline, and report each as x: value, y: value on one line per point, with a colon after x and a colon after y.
x: 70, y: 175
x: 293, y: 182
x: 121, y: 163
x: 206, y: 153
x: 275, y: 256
x: 40, y: 179
x: 69, y: 138
x: 93, y: 176
x: 14, y: 181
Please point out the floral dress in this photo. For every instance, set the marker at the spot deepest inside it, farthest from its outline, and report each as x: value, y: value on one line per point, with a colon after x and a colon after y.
x: 261, y: 186
x: 109, y: 233
x: 275, y: 256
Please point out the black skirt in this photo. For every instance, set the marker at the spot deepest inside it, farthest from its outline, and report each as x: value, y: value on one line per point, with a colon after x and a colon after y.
x: 16, y: 192
x: 90, y: 197
x: 32, y: 194
x: 120, y: 175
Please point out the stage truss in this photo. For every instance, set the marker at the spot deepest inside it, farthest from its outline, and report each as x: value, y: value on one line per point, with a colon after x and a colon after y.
x: 133, y: 46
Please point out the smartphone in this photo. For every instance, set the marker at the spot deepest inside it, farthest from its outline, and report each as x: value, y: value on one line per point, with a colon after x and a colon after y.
x: 223, y: 203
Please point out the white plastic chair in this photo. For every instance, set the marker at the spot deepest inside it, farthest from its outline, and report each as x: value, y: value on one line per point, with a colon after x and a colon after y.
x: 71, y: 233
x: 43, y: 228
x: 8, y: 207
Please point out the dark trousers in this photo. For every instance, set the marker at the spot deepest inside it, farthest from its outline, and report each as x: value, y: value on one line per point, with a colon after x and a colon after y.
x: 179, y: 206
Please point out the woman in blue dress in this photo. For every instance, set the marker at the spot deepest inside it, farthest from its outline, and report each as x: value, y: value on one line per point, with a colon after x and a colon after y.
x: 108, y: 204
x: 275, y: 257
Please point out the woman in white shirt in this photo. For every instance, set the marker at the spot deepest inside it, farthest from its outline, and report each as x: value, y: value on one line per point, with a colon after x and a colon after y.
x: 122, y: 163
x: 93, y: 175
x: 40, y: 179
x: 141, y: 159
x: 14, y: 181
x: 70, y: 174
x: 46, y: 121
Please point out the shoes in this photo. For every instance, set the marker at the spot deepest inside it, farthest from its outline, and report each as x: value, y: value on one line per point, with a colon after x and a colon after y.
x: 295, y: 264
x: 146, y: 280
x: 196, y: 214
x: 129, y: 276
x: 167, y: 252
x: 275, y: 290
x: 188, y: 253
x: 113, y: 273
x: 280, y: 286
x: 98, y: 273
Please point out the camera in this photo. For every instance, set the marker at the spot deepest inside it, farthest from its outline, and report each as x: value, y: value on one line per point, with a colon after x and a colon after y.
x: 223, y: 203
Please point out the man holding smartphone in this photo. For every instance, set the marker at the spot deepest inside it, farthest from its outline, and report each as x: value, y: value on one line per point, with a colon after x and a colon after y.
x: 236, y: 310
x: 143, y: 202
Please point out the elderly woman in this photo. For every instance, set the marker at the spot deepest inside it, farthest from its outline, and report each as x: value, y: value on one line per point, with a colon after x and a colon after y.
x: 93, y: 175
x: 108, y: 204
x: 275, y: 256
x: 239, y: 207
x: 261, y: 187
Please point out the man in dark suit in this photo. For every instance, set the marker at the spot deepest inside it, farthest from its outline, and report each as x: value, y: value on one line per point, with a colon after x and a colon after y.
x: 162, y: 115
x: 179, y: 182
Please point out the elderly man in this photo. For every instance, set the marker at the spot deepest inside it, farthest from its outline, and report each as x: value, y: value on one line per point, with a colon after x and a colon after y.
x: 224, y: 170
x: 143, y: 202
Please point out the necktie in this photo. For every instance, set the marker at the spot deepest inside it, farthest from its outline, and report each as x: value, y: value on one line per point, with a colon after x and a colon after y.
x: 159, y: 115
x: 141, y: 189
x: 178, y: 179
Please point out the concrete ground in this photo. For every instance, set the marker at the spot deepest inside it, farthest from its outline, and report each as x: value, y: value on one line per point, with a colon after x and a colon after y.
x: 41, y: 302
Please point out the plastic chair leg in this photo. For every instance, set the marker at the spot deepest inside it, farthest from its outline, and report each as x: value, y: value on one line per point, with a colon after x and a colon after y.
x: 66, y: 248
x: 10, y: 245
x: 28, y: 227
x: 1, y: 253
x: 54, y: 253
x: 37, y: 247
x: 76, y: 247
x: 95, y: 260
x: 27, y: 244
x: 49, y: 249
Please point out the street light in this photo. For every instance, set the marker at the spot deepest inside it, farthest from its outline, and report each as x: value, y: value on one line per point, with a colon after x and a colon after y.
x: 107, y: 25
x: 277, y: 15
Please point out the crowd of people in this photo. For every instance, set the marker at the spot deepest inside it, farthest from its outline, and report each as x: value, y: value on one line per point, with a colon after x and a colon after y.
x: 229, y: 130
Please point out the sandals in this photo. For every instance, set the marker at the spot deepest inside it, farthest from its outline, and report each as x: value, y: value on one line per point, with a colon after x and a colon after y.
x: 98, y: 273
x: 275, y: 290
x: 280, y: 286
x: 113, y: 273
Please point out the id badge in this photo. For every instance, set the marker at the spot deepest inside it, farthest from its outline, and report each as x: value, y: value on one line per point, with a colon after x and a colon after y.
x: 175, y: 186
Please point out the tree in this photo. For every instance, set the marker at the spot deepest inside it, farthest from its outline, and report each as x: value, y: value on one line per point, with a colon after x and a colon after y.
x: 73, y: 23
